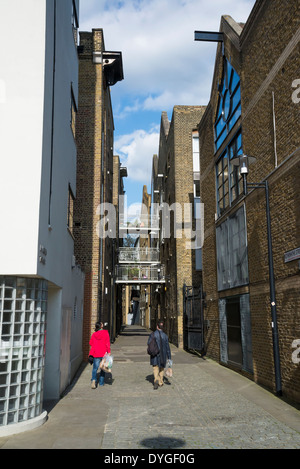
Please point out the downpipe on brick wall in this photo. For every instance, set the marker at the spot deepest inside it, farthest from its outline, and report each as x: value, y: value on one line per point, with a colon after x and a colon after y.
x: 265, y: 185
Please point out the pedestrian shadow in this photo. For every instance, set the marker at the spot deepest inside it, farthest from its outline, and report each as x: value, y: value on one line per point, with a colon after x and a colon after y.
x: 150, y: 379
x: 163, y: 442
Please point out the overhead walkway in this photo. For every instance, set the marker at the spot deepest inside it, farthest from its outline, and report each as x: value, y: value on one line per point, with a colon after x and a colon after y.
x: 139, y: 265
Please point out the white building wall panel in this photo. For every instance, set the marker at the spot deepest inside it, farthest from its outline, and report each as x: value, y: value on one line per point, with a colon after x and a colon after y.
x: 22, y: 57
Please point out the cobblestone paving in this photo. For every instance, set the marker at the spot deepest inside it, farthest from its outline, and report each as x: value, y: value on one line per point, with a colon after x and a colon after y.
x: 194, y: 411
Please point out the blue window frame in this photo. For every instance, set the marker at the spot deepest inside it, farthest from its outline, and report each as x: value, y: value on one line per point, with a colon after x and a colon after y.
x: 228, y: 177
x: 232, y: 251
x: 229, y: 103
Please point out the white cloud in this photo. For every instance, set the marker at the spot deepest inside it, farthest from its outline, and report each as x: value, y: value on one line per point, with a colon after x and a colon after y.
x: 163, y: 65
x: 156, y: 38
x: 133, y: 212
x: 136, y: 151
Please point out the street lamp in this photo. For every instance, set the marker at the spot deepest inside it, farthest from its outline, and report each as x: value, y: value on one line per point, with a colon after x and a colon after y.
x: 243, y: 162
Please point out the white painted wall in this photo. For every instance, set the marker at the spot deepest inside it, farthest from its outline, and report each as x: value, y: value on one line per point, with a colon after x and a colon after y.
x: 56, y: 238
x: 27, y: 34
x: 22, y: 58
x: 25, y: 145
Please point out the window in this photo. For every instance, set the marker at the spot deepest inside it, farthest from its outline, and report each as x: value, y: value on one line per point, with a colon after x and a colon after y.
x: 229, y: 180
x: 198, y: 215
x: 73, y: 113
x: 234, y: 150
x: 222, y: 184
x: 23, y: 311
x: 70, y: 210
x: 232, y: 254
x: 229, y: 104
x: 196, y: 188
x: 75, y: 23
x: 196, y: 161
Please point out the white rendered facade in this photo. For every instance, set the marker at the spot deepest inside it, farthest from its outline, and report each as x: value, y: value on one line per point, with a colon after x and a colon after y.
x: 41, y: 288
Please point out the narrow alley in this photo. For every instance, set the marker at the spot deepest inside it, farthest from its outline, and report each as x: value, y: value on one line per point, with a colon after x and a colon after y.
x: 203, y: 406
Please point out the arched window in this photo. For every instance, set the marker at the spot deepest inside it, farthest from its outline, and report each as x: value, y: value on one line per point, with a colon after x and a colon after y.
x: 229, y: 104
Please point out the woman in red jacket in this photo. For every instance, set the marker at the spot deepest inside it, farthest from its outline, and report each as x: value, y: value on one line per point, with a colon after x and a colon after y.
x: 100, y: 344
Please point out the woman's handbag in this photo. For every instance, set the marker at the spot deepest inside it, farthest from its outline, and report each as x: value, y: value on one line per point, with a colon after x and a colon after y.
x: 91, y: 359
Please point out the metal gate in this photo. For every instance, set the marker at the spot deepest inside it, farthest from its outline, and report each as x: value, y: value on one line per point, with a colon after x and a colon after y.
x: 193, y: 318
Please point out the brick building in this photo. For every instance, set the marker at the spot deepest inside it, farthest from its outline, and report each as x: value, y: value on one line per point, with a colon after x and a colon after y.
x: 253, y: 110
x: 96, y: 168
x: 145, y: 244
x: 119, y: 173
x: 174, y: 184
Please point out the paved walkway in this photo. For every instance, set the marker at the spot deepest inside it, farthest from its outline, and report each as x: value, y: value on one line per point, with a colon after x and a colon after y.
x: 204, y: 405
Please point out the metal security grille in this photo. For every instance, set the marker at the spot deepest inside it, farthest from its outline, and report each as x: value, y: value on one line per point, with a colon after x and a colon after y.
x: 193, y: 318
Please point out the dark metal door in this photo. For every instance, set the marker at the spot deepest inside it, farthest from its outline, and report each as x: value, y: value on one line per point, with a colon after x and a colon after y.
x: 234, y: 340
x: 193, y: 318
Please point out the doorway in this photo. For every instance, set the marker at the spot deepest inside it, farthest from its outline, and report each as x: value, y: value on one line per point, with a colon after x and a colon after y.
x: 234, y: 336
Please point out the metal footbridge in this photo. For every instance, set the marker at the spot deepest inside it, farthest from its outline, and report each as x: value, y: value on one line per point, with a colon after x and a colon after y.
x: 137, y: 265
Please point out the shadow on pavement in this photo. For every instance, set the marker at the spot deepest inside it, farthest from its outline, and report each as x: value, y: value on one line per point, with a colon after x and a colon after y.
x: 131, y: 331
x: 49, y: 405
x: 163, y: 442
x: 150, y: 379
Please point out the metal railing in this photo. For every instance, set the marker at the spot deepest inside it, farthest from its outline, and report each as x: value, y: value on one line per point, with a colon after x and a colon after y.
x: 140, y: 273
x: 137, y: 255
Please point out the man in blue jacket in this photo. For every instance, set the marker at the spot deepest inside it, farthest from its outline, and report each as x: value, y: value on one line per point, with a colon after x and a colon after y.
x: 160, y: 360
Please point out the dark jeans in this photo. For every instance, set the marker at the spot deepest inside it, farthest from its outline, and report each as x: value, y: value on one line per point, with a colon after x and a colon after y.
x: 101, y: 376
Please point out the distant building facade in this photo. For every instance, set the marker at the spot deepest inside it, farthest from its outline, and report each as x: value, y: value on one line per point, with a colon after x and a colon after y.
x: 145, y: 245
x: 175, y: 183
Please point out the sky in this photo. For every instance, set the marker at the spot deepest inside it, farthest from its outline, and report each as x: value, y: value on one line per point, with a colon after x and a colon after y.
x: 163, y: 67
